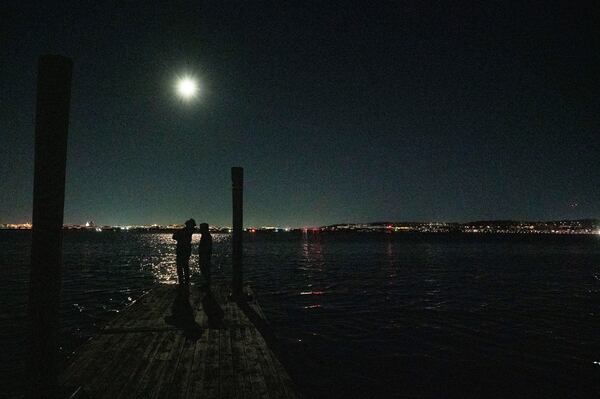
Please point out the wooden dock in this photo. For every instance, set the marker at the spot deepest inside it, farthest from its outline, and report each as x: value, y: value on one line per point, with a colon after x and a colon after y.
x: 174, y: 343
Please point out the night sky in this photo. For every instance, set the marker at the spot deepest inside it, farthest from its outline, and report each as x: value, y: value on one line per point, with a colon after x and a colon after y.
x: 339, y: 112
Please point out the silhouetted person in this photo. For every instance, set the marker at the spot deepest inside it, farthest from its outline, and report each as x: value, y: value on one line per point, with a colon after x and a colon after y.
x: 184, y: 251
x: 205, y: 253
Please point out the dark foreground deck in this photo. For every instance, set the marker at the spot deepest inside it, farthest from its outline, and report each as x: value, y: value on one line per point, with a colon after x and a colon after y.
x: 179, y: 344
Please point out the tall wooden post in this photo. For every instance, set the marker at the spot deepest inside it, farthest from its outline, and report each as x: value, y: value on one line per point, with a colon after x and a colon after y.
x: 51, y: 130
x: 237, y: 180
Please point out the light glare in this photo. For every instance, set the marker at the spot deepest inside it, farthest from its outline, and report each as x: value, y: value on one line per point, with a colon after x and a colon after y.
x: 187, y: 88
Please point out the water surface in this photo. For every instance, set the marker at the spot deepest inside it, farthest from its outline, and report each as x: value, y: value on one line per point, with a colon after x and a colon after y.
x: 363, y: 315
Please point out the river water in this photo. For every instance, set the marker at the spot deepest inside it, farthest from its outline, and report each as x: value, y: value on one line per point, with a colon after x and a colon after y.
x: 361, y: 315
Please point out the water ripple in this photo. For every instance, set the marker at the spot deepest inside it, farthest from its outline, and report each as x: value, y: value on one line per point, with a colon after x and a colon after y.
x: 363, y: 313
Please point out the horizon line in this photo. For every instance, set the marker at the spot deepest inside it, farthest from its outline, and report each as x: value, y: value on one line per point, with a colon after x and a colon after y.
x: 377, y: 222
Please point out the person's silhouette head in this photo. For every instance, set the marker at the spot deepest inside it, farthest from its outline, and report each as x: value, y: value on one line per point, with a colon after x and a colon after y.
x: 190, y: 224
x: 203, y: 228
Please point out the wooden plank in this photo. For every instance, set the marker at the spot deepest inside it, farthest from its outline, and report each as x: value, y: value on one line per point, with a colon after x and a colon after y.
x: 155, y: 312
x: 136, y: 368
x: 103, y: 358
x: 149, y: 312
x: 282, y: 384
x: 120, y: 375
x: 81, y: 360
x: 196, y: 302
x: 226, y: 380
x: 185, y: 365
x: 258, y: 385
x: 183, y: 369
x: 247, y: 375
x: 164, y: 382
x: 196, y: 378
x: 272, y: 366
x: 134, y: 311
x: 211, y: 370
x: 116, y: 363
x: 85, y: 364
x: 139, y: 355
x: 146, y: 385
x: 271, y: 379
x: 129, y: 384
x: 239, y: 364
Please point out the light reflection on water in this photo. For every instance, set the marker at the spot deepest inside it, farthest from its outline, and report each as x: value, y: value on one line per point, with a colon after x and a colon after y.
x: 161, y: 262
x: 102, y: 273
x: 362, y: 313
x: 428, y: 315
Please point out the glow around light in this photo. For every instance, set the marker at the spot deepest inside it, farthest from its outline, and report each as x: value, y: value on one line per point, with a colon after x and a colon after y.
x: 187, y: 88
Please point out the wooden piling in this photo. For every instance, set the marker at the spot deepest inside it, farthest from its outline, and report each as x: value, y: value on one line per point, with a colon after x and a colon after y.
x: 51, y: 131
x: 237, y: 179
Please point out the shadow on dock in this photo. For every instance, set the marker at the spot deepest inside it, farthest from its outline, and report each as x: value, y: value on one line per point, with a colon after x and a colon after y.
x: 212, y: 310
x: 181, y: 343
x: 182, y: 315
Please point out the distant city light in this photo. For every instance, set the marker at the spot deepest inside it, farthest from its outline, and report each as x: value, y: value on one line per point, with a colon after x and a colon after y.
x: 187, y: 87
x: 568, y: 227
